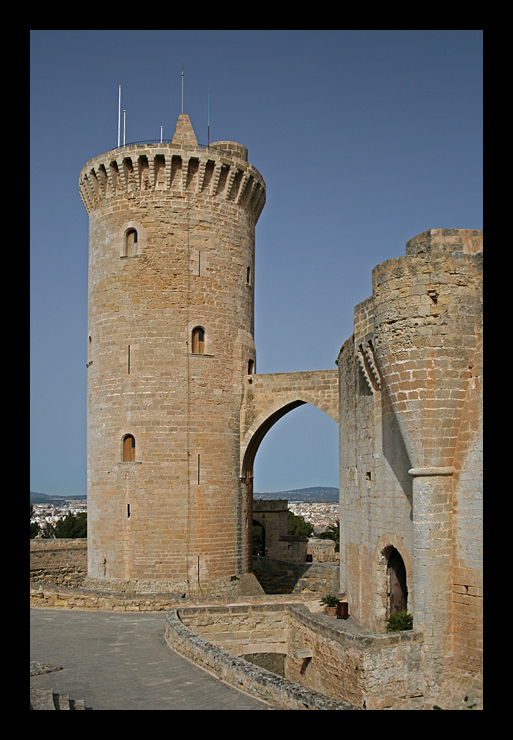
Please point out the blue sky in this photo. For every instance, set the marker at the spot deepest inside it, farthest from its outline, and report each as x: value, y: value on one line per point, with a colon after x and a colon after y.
x: 364, y: 139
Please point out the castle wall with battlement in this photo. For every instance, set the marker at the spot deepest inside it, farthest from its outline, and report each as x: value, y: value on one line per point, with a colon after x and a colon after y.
x: 170, y: 340
x: 411, y: 443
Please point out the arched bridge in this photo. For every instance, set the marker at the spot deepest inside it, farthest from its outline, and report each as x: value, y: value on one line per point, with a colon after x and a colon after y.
x: 270, y: 396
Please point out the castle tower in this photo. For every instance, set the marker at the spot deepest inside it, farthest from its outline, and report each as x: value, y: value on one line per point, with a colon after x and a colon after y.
x: 411, y: 449
x: 170, y: 340
x: 428, y: 341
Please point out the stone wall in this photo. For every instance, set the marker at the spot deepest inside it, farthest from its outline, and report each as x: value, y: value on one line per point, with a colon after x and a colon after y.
x: 63, y: 597
x: 271, y: 515
x: 285, y: 577
x: 411, y: 445
x: 58, y: 561
x: 280, y: 692
x: 322, y: 551
x: 171, y: 252
x: 366, y: 670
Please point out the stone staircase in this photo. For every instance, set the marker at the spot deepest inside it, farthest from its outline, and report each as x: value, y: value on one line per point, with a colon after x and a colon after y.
x: 42, y: 699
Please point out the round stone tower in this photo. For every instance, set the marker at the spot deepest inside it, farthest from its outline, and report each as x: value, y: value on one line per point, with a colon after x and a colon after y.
x: 170, y: 340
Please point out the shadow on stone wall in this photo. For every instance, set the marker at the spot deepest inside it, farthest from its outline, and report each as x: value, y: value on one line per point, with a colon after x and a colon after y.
x: 285, y: 577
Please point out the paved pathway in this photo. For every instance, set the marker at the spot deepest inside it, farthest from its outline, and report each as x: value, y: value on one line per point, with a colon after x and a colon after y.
x: 120, y: 660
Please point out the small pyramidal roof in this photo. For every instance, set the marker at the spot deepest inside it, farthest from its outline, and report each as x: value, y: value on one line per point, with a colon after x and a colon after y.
x: 184, y: 133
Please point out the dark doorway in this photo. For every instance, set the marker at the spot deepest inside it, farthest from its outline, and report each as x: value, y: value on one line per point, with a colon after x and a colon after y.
x: 398, y: 595
x: 258, y: 539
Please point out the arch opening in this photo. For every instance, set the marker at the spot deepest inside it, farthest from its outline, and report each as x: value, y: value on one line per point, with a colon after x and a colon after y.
x: 396, y: 582
x: 258, y: 538
x: 300, y: 436
x: 256, y: 439
x: 252, y: 442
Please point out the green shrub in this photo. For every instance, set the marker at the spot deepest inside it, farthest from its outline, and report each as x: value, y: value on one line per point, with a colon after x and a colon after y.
x: 399, y: 621
x: 329, y: 600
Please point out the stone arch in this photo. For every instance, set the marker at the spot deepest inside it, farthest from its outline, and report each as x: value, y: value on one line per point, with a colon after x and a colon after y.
x: 267, y: 398
x: 268, y: 418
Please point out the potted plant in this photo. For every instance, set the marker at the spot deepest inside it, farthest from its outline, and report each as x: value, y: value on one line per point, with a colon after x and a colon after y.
x: 330, y: 601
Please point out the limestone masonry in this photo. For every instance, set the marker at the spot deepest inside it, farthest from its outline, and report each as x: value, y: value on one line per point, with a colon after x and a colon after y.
x: 171, y: 279
x: 176, y: 410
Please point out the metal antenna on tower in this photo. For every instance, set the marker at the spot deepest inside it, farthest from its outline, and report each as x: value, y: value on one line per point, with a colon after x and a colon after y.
x: 208, y: 120
x: 182, y: 87
x: 119, y: 117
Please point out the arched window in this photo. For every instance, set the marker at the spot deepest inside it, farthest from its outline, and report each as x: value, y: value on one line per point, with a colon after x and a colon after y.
x: 128, y: 448
x: 198, y: 341
x: 251, y: 367
x: 131, y: 243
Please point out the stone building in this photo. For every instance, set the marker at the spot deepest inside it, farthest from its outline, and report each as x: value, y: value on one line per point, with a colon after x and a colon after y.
x: 176, y: 411
x: 410, y: 447
x: 170, y: 341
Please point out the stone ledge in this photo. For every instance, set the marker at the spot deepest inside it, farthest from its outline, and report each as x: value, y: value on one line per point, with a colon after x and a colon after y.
x: 338, y: 633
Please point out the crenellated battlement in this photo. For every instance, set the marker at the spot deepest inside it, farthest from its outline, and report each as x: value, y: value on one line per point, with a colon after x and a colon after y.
x: 219, y: 172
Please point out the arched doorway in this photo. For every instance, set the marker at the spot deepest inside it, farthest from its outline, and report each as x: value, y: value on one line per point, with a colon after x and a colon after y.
x: 258, y: 538
x: 397, y: 587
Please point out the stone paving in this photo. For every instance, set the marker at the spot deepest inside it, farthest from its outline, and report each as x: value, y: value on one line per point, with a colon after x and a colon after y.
x: 121, y: 661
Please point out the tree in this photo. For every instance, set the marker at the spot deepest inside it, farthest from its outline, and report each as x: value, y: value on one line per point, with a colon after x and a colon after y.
x: 72, y: 526
x: 47, y: 531
x: 332, y: 533
x: 297, y: 525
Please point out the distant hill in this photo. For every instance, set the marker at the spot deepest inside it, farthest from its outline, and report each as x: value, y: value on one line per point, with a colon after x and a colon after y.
x: 317, y: 493
x: 44, y: 498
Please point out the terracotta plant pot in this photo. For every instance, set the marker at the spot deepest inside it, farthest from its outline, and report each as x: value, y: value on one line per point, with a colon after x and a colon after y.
x: 331, y: 611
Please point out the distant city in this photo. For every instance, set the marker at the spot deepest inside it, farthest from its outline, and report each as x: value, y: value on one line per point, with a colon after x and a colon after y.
x: 316, y: 505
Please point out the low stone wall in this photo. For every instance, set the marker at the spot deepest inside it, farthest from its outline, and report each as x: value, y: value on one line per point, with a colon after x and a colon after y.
x: 45, y: 595
x: 241, y: 628
x: 238, y: 672
x: 286, y: 577
x: 373, y: 671
x: 61, y: 562
x: 55, y: 597
x: 365, y: 670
